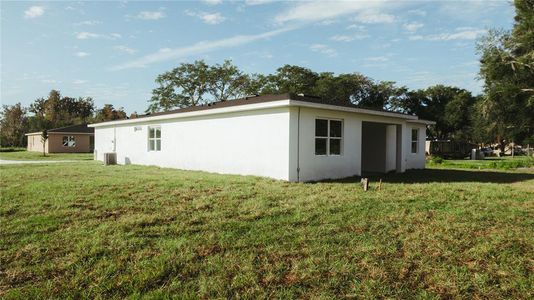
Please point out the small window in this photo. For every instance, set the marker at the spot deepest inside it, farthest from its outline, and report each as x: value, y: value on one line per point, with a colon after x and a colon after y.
x: 69, y: 141
x: 415, y: 140
x: 328, y: 137
x: 154, y: 138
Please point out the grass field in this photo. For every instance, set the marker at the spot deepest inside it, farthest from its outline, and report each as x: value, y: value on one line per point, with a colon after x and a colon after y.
x: 21, y: 154
x: 89, y: 231
x: 502, y: 163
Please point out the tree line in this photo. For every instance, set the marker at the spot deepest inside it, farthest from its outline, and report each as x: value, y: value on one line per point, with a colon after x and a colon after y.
x: 504, y: 112
x: 51, y: 112
x: 198, y: 83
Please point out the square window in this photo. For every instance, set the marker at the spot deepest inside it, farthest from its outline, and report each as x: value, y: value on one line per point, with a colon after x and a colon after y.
x: 328, y: 137
x: 69, y: 141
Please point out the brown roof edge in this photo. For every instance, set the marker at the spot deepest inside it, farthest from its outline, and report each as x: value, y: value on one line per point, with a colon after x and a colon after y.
x: 254, y: 100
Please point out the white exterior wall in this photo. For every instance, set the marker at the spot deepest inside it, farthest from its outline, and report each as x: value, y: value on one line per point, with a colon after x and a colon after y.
x: 246, y: 143
x: 391, y: 148
x: 415, y: 160
x: 314, y: 167
x: 266, y: 141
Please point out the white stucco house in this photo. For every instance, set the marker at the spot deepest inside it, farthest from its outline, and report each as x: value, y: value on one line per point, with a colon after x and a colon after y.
x: 288, y: 137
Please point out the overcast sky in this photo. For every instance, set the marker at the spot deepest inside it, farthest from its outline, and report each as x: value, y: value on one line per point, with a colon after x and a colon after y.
x: 113, y: 51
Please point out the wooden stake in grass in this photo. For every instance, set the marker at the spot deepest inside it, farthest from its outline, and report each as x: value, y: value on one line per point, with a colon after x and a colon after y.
x: 379, y: 184
x: 365, y: 184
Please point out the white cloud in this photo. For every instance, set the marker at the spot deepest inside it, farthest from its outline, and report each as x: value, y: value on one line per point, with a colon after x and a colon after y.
x: 88, y: 23
x: 321, y: 10
x: 460, y: 34
x: 374, y: 17
x: 208, y: 18
x: 357, y: 27
x: 151, y: 15
x: 79, y: 81
x: 166, y: 54
x: 417, y: 12
x: 413, y: 26
x: 348, y: 38
x: 213, y: 19
x: 212, y: 2
x: 34, y: 12
x: 125, y: 49
x: 323, y: 49
x: 84, y: 35
x: 82, y: 54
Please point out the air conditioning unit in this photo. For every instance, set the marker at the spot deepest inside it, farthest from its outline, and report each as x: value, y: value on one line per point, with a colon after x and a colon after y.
x: 110, y: 158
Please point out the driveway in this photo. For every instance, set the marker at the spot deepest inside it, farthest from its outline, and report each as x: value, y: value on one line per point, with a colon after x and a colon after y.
x: 12, y: 162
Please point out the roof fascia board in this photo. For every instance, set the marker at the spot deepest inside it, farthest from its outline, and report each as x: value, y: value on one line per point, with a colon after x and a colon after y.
x: 256, y: 106
x: 352, y: 109
x: 424, y: 122
x: 207, y: 112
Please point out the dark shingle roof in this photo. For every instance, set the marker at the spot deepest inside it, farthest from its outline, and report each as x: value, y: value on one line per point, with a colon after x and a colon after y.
x: 81, y: 128
x: 261, y: 99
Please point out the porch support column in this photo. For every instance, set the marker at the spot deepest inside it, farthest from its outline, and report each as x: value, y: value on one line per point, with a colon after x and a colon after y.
x: 400, y: 161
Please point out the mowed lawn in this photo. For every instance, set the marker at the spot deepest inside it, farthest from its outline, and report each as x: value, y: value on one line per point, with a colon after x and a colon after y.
x: 88, y: 231
x: 20, y: 154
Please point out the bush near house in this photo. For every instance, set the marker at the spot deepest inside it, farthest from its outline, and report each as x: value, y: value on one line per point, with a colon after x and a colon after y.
x: 92, y: 231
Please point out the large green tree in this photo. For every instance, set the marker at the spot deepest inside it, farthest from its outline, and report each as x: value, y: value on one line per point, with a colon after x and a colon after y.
x: 507, y: 67
x: 449, y: 106
x: 13, y: 125
x: 57, y: 111
x: 109, y: 113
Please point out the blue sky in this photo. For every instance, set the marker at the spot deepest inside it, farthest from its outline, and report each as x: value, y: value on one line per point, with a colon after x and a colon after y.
x: 113, y: 51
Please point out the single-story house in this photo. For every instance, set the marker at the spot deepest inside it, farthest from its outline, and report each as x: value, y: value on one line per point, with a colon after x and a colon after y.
x: 288, y: 137
x: 70, y: 139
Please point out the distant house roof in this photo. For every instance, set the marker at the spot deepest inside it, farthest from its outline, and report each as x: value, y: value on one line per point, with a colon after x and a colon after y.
x: 290, y: 98
x: 80, y: 128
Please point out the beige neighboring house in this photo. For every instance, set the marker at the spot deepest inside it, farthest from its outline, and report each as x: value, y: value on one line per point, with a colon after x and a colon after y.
x: 70, y: 139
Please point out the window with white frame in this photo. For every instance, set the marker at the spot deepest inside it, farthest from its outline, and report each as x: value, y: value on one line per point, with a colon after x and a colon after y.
x: 69, y: 141
x: 154, y: 138
x: 328, y: 137
x: 415, y: 140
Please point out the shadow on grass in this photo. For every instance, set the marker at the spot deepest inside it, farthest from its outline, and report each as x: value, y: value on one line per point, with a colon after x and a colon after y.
x: 12, y: 149
x: 445, y: 175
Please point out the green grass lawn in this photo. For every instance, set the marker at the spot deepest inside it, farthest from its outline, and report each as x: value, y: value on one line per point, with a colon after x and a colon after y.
x: 22, y: 154
x: 91, y: 231
x: 503, y: 163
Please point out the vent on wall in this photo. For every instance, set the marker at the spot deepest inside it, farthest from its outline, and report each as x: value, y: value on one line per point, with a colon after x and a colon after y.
x: 137, y: 128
